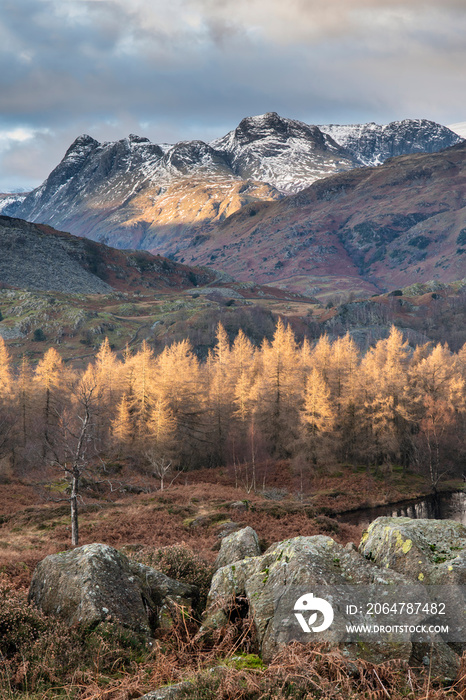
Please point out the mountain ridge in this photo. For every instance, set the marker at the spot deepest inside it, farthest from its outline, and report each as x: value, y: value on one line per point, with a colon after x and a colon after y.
x: 369, y: 229
x: 135, y: 194
x: 38, y: 257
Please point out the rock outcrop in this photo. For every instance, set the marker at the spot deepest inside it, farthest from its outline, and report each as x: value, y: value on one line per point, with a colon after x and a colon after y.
x: 269, y: 587
x: 304, y: 588
x: 239, y: 545
x: 432, y: 551
x: 96, y: 583
x: 302, y: 563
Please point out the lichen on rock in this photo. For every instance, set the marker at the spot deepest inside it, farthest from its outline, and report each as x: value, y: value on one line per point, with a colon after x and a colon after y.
x: 97, y: 583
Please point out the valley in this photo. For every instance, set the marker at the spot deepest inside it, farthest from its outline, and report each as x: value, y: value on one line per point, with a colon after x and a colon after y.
x: 296, y: 353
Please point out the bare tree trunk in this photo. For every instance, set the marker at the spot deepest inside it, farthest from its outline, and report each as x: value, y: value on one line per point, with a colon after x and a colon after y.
x: 253, y: 455
x: 74, y: 508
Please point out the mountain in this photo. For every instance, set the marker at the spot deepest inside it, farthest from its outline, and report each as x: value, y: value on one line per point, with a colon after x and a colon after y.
x: 286, y: 153
x: 136, y: 194
x: 368, y: 229
x: 37, y: 257
x: 11, y: 201
x: 372, y: 144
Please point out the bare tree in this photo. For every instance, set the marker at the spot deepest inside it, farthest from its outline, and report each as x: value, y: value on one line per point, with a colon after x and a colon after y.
x: 77, y: 445
x: 161, y: 467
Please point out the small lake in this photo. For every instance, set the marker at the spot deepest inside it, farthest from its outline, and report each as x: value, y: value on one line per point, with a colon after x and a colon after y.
x: 439, y: 506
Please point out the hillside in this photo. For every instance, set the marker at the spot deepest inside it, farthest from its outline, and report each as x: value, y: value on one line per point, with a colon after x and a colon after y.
x: 136, y: 194
x: 367, y: 230
x: 56, y: 288
x: 37, y: 257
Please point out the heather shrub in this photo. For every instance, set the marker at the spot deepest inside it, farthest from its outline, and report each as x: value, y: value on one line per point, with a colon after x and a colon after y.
x: 309, y: 672
x: 39, y: 651
x: 112, y: 648
x: 35, y: 650
x: 181, y: 563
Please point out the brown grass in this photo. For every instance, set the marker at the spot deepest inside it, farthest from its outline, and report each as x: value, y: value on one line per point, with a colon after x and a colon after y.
x: 32, y: 527
x: 191, y: 511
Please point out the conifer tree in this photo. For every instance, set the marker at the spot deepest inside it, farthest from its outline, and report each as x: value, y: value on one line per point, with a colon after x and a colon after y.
x: 8, y: 405
x: 180, y: 382
x: 122, y: 427
x: 439, y: 394
x: 143, y: 392
x: 107, y: 372
x: 321, y: 355
x: 243, y: 376
x: 345, y: 387
x: 385, y: 401
x: 161, y: 440
x: 24, y: 397
x: 280, y: 393
x: 220, y: 392
x: 318, y: 414
x: 50, y: 377
x: 6, y: 379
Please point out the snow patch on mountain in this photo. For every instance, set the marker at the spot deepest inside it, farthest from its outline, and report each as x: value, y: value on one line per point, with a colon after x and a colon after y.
x: 371, y: 144
x: 11, y: 201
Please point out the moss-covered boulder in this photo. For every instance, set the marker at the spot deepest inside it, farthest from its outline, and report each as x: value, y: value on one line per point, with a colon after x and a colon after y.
x: 239, y: 545
x: 94, y: 583
x: 431, y: 551
x: 272, y: 583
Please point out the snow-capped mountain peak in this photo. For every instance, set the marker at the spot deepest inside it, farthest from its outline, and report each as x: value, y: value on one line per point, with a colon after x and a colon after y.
x: 286, y: 153
x: 127, y: 191
x: 372, y: 144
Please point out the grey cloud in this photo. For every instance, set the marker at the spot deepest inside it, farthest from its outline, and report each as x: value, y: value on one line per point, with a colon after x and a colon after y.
x: 193, y: 68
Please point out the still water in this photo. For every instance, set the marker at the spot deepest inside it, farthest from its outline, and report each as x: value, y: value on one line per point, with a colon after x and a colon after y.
x: 439, y: 506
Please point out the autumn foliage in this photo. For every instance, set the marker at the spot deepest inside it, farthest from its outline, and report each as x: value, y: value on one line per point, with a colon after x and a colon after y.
x: 310, y: 403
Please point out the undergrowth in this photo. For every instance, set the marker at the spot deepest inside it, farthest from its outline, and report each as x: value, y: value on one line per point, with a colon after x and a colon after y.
x: 306, y: 673
x: 179, y: 562
x: 43, y: 659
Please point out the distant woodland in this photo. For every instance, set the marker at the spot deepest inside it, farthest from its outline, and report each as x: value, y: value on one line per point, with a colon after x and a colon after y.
x: 315, y: 404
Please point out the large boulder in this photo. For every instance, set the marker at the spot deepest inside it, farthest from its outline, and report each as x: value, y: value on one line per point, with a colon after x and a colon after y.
x: 239, y: 545
x: 96, y: 583
x: 289, y: 571
x: 431, y: 551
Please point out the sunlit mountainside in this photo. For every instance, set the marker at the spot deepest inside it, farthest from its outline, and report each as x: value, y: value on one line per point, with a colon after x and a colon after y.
x: 136, y: 194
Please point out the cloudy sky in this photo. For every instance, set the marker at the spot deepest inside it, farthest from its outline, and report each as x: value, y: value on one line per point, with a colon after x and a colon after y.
x: 181, y: 69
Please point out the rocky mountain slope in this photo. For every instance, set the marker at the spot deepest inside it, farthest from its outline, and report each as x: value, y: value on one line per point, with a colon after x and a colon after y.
x: 133, y: 193
x: 372, y: 144
x: 37, y: 257
x: 367, y: 229
x: 286, y: 153
x: 12, y: 201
